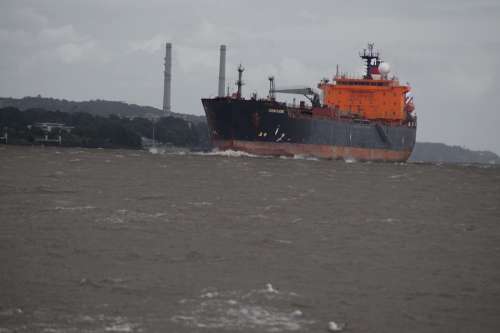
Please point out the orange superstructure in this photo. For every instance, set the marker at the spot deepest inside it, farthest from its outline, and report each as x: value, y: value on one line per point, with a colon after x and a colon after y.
x: 373, y: 97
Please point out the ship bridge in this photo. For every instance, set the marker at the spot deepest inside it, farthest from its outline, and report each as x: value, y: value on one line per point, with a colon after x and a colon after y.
x: 372, y: 97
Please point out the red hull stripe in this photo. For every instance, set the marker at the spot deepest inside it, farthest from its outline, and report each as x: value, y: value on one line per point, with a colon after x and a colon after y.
x: 320, y: 151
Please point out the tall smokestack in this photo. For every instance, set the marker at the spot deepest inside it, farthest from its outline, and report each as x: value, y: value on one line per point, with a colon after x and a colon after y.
x: 167, y: 77
x: 222, y: 70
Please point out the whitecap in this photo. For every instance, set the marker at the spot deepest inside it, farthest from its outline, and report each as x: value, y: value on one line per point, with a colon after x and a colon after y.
x: 111, y: 220
x: 283, y: 241
x: 390, y: 220
x: 155, y: 150
x: 77, y: 208
x: 214, y: 315
x: 334, y: 327
x: 398, y: 176
x: 200, y: 203
x: 119, y: 328
x: 270, y: 289
x: 350, y: 160
x: 209, y: 294
x: 11, y: 312
x: 256, y: 310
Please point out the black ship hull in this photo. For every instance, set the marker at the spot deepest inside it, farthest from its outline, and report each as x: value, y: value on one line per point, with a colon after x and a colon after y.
x: 272, y: 128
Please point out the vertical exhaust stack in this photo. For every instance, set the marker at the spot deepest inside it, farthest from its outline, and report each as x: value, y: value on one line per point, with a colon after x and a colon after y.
x: 167, y: 78
x: 222, y: 70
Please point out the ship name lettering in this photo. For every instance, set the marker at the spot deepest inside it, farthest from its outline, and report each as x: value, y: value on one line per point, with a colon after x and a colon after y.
x: 276, y: 111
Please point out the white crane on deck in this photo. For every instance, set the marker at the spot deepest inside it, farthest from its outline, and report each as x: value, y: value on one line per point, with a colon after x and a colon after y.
x: 307, y: 92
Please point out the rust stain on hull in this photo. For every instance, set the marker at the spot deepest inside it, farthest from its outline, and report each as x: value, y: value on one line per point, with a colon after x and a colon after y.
x: 320, y: 151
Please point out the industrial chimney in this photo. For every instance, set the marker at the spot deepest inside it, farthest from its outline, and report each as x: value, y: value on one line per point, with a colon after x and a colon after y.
x: 222, y: 70
x: 167, y: 77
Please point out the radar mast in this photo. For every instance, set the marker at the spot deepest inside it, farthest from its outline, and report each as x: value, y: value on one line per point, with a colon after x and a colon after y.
x: 372, y: 59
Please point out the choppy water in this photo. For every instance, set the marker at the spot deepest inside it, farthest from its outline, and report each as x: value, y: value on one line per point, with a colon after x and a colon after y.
x: 128, y: 241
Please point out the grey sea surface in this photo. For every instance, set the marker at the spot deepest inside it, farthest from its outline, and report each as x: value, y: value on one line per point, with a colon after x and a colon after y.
x: 128, y: 241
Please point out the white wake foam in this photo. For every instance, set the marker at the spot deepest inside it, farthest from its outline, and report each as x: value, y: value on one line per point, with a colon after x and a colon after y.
x: 226, y: 153
x: 350, y: 160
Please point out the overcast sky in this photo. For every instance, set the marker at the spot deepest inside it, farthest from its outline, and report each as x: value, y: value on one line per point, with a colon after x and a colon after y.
x: 448, y: 50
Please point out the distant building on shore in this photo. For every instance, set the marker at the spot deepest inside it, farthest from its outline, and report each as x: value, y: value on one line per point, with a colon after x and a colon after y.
x: 49, y: 127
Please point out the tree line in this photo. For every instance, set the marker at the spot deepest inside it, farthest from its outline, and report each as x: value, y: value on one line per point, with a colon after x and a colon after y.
x: 97, y: 131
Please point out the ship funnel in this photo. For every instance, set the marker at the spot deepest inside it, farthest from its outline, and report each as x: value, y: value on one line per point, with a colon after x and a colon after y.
x: 222, y: 70
x: 167, y: 77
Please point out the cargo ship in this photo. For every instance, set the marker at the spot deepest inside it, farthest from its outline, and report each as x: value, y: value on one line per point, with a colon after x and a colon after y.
x: 366, y: 118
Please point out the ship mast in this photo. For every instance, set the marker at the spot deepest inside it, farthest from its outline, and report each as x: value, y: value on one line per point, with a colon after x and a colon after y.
x: 271, y: 88
x: 239, y: 83
x: 372, y: 59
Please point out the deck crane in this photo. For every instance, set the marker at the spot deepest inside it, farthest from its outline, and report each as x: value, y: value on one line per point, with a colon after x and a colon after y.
x: 307, y: 92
